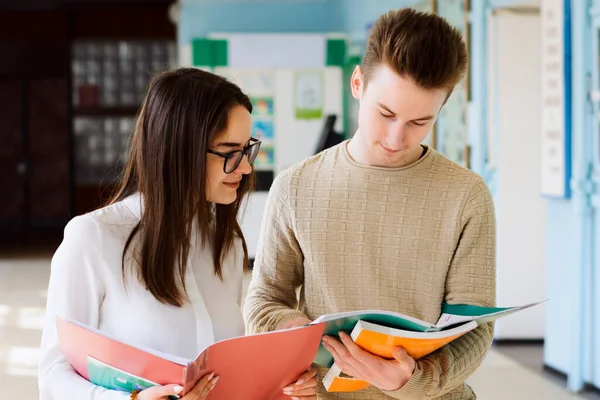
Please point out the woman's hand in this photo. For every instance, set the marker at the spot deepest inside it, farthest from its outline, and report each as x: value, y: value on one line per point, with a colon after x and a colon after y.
x: 305, y: 387
x: 199, y: 392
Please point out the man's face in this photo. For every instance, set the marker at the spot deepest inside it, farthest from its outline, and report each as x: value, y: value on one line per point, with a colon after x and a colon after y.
x: 395, y: 116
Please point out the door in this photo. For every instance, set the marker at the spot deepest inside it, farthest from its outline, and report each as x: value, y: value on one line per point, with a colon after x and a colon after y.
x: 34, y: 127
x: 12, y: 162
x: 514, y: 125
x: 48, y: 153
x: 592, y: 331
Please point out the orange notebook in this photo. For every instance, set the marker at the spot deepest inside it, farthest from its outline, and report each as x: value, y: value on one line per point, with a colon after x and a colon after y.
x: 379, y: 332
x: 381, y: 340
x: 255, y: 367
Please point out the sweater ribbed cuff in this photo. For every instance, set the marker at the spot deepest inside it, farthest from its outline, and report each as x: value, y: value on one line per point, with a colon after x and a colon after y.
x: 417, y: 385
x: 285, y: 316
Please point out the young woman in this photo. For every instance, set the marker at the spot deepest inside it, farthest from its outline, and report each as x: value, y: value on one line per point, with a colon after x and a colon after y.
x: 162, y: 265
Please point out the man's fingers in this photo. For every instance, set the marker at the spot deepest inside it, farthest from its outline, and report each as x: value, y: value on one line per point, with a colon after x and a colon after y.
x: 337, y: 346
x: 355, y: 350
x: 400, y: 354
x: 332, y: 349
x: 345, y: 355
x: 343, y: 362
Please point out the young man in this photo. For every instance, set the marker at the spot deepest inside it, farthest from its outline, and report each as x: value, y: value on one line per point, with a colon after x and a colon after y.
x: 383, y: 222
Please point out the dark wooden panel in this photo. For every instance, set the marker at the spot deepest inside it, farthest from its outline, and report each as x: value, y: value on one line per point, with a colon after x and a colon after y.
x: 91, y: 197
x: 123, y: 23
x: 120, y: 111
x: 34, y: 43
x: 49, y: 150
x: 10, y: 61
x: 11, y: 182
x: 31, y: 5
x: 36, y: 26
x: 35, y: 59
x: 35, y: 126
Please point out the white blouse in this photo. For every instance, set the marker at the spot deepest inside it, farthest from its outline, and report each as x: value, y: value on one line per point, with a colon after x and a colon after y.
x: 86, y: 285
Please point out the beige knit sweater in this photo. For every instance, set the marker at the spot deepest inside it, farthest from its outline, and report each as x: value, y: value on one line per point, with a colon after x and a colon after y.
x: 339, y: 236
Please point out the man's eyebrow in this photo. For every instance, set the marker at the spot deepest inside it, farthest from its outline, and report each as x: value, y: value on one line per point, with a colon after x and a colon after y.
x: 427, y: 118
x: 385, y: 108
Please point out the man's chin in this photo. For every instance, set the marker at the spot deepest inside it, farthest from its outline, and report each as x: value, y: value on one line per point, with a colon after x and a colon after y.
x: 397, y: 159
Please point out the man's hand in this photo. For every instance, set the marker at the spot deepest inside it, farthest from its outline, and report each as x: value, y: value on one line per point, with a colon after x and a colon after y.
x: 385, y: 374
x: 293, y: 323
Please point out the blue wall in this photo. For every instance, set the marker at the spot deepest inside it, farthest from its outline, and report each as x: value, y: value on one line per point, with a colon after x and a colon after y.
x: 560, y: 253
x: 572, y: 232
x: 199, y: 18
x: 358, y: 14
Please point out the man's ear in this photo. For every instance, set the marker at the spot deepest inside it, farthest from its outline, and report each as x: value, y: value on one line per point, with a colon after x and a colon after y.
x: 446, y: 100
x: 357, y: 82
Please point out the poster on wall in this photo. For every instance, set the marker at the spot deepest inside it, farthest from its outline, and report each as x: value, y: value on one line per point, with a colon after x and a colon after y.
x: 259, y: 85
x: 308, y: 86
x: 265, y: 159
x: 555, y: 107
x: 262, y: 130
x: 262, y: 106
x: 257, y: 82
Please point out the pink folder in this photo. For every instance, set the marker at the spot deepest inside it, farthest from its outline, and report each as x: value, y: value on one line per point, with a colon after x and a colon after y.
x: 255, y: 367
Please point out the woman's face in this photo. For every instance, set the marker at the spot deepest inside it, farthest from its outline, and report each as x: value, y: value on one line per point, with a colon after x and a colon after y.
x: 221, y: 187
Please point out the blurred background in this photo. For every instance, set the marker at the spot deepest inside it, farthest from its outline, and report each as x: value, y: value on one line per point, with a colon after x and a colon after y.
x: 73, y: 73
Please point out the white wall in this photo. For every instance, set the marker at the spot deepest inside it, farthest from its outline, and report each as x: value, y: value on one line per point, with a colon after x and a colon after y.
x: 514, y: 115
x: 295, y: 140
x: 265, y: 65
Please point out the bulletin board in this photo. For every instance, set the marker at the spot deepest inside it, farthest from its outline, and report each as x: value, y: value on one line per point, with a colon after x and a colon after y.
x: 289, y: 129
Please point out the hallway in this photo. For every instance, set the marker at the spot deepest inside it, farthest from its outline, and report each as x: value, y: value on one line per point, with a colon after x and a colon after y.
x: 23, y: 283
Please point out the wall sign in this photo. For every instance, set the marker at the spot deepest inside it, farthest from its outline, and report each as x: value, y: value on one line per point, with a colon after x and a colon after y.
x: 556, y: 99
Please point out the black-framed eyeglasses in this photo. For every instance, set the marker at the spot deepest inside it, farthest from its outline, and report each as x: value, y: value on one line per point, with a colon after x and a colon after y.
x: 234, y: 158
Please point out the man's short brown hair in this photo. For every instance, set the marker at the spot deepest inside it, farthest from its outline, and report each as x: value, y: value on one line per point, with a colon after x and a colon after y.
x: 420, y: 46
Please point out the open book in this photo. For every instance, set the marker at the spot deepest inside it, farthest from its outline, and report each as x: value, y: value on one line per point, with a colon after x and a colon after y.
x: 380, y: 332
x: 258, y: 367
x: 255, y: 367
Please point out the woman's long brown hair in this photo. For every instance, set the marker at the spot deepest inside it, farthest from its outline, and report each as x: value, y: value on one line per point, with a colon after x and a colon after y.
x: 183, y: 112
